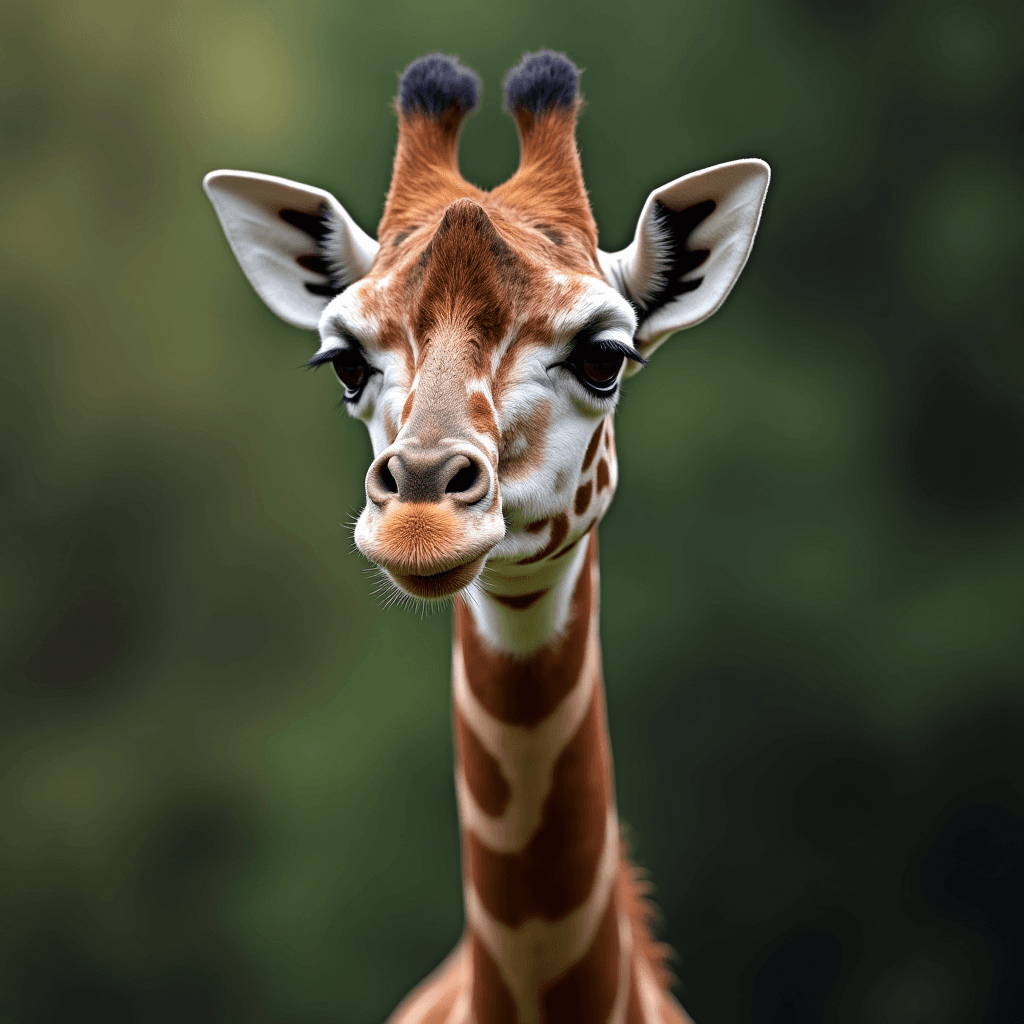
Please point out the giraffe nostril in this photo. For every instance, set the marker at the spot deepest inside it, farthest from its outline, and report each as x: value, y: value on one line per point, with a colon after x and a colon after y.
x: 463, y: 480
x: 415, y: 474
x: 387, y: 479
x: 382, y: 483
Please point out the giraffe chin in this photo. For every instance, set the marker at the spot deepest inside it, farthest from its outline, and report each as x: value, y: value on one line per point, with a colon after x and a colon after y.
x: 439, y: 585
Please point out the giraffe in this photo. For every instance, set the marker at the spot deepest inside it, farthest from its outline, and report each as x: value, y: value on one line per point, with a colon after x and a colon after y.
x: 483, y: 338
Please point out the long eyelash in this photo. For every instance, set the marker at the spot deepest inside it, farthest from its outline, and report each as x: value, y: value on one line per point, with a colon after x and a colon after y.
x: 347, y: 344
x: 323, y: 357
x: 611, y: 345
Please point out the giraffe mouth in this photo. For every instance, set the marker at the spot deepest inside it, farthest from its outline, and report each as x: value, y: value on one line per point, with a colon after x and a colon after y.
x: 431, y: 552
x: 440, y: 584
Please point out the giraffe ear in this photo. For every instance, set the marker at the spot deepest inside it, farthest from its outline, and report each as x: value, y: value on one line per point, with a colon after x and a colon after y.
x: 693, y: 238
x: 296, y: 244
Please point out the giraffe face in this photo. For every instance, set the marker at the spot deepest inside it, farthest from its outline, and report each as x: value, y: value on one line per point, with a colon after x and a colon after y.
x: 483, y: 337
x: 485, y: 358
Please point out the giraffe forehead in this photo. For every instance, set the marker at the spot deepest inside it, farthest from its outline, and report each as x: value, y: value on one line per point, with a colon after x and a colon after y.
x: 481, y: 261
x: 529, y: 234
x: 484, y: 329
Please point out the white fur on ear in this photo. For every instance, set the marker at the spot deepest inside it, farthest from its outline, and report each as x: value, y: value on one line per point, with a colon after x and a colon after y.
x: 296, y: 244
x: 692, y: 240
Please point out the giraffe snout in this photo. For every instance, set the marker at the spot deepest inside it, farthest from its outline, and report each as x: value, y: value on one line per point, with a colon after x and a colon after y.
x: 433, y: 515
x: 413, y: 474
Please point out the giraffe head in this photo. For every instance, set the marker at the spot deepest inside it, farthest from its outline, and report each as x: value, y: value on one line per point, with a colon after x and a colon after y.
x: 484, y: 336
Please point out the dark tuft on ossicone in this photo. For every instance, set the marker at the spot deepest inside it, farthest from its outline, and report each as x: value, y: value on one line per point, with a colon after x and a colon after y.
x: 437, y: 82
x: 542, y: 81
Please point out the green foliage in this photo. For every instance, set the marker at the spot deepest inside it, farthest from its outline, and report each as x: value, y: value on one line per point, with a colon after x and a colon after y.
x: 225, y: 770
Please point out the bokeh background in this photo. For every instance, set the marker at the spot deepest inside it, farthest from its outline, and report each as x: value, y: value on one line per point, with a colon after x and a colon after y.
x: 225, y: 771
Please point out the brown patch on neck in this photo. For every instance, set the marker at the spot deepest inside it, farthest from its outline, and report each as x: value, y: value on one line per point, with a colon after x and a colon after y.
x: 585, y: 993
x: 634, y: 1009
x: 483, y: 773
x: 519, y: 602
x: 603, y: 476
x: 556, y: 871
x: 492, y: 1001
x: 524, y: 691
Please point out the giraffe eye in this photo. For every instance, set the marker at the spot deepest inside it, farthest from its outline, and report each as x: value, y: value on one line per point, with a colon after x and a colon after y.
x: 352, y: 371
x: 600, y: 367
x: 596, y: 366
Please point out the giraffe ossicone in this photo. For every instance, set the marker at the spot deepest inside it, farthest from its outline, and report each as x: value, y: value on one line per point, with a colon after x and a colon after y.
x: 483, y: 338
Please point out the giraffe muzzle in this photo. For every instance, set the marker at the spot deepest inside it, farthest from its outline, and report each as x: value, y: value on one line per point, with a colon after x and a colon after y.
x: 432, y: 516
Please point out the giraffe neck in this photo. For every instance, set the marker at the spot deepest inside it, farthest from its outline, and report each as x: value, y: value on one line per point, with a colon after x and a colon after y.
x: 550, y: 935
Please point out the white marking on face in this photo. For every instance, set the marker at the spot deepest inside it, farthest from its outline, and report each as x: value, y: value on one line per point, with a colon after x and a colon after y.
x: 345, y: 314
x: 503, y: 346
x: 597, y: 300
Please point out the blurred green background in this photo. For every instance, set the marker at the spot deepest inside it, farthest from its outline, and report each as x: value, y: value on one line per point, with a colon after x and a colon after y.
x: 225, y: 772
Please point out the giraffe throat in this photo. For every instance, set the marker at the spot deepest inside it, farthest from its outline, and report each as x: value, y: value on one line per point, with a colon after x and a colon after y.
x: 554, y: 920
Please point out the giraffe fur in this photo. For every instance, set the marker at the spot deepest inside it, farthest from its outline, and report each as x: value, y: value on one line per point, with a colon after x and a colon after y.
x: 482, y: 338
x: 541, y: 80
x: 435, y: 83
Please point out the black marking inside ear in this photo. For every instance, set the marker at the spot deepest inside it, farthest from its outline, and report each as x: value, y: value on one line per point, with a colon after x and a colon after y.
x: 318, y: 227
x: 672, y: 229
x: 313, y: 224
x: 437, y: 82
x: 328, y: 291
x: 541, y: 81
